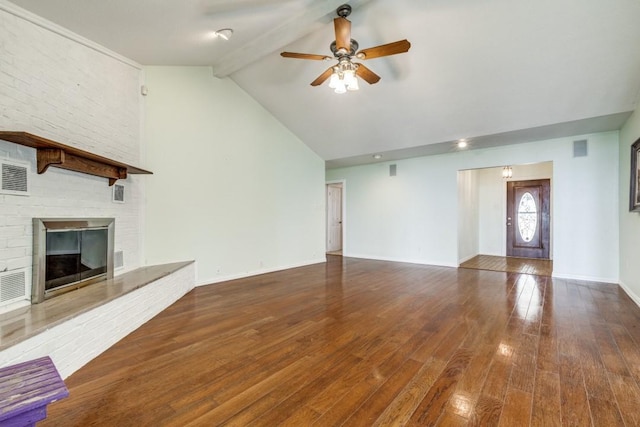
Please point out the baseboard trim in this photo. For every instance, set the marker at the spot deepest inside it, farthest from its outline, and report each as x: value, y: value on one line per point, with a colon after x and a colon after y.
x: 465, y: 259
x: 609, y: 280
x: 635, y: 298
x: 226, y: 278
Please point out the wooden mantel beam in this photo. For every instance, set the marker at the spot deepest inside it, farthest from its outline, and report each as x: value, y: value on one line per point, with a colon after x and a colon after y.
x: 51, y: 153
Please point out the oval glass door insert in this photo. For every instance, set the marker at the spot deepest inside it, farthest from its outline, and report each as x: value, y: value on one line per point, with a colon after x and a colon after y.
x: 527, y: 217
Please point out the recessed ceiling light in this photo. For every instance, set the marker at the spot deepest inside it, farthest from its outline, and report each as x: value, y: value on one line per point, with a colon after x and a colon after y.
x: 377, y: 156
x: 224, y: 33
x: 462, y: 143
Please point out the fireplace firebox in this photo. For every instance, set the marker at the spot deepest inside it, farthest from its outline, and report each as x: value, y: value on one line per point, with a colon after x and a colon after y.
x: 69, y: 253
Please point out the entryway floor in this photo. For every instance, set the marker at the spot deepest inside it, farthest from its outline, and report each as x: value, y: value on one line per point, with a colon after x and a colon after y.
x: 540, y: 267
x: 339, y: 252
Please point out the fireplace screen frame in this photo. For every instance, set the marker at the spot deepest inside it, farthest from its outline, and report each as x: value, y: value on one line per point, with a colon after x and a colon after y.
x: 39, y: 293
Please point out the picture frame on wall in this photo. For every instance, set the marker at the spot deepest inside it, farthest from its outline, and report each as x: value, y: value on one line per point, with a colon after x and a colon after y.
x: 634, y: 194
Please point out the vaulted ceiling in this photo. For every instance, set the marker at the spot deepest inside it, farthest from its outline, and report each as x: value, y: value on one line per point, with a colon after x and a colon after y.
x: 493, y: 72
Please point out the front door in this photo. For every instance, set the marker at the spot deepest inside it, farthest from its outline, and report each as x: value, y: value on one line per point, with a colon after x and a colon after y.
x: 528, y: 219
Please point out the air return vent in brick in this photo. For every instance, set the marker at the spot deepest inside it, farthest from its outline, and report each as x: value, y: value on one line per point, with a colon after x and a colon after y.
x: 14, y: 178
x: 13, y: 286
x: 118, y: 259
x: 118, y: 193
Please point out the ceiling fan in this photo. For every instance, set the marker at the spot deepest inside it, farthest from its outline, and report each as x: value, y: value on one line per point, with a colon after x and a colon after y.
x: 344, y: 48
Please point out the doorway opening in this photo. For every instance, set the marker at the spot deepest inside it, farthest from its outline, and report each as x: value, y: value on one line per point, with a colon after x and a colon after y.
x: 483, y: 224
x: 335, y: 217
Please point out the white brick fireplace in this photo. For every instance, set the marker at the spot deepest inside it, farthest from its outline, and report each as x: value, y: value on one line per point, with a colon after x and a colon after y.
x: 60, y: 86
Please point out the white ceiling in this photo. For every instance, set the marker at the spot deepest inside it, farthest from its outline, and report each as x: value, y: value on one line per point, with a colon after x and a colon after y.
x: 493, y: 71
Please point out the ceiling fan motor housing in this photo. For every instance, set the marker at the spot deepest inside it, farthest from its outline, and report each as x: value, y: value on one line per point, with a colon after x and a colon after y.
x: 344, y: 11
x: 353, y: 48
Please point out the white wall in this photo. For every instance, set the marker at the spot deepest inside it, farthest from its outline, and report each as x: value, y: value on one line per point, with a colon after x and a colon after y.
x: 410, y: 217
x: 60, y: 86
x: 629, y: 221
x: 414, y: 217
x: 491, y: 195
x: 468, y: 215
x: 232, y: 188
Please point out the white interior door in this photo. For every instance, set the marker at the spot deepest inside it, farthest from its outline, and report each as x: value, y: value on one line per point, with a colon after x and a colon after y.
x: 334, y: 217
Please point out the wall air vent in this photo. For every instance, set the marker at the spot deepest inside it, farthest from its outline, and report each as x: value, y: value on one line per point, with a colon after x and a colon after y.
x: 13, y: 286
x: 14, y: 177
x: 118, y: 193
x: 580, y: 148
x: 118, y: 259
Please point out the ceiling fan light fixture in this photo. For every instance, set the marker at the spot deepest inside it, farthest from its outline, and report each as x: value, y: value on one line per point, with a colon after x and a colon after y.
x: 340, y: 87
x: 335, y: 79
x: 353, y: 85
x: 343, y: 77
x: 349, y: 78
x: 224, y: 33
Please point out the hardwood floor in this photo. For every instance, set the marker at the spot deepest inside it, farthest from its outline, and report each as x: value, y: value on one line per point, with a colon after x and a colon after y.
x: 541, y: 267
x: 361, y: 342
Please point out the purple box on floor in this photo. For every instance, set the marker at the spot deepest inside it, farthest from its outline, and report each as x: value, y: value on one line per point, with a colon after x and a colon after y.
x: 26, y: 389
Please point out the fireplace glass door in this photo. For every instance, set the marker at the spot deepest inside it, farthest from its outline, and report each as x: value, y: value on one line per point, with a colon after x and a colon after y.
x: 74, y: 255
x: 69, y: 253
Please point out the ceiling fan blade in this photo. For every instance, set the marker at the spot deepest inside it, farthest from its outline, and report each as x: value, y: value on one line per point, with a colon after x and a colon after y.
x: 343, y: 33
x: 305, y: 56
x: 367, y: 75
x: 384, y: 50
x: 322, y: 77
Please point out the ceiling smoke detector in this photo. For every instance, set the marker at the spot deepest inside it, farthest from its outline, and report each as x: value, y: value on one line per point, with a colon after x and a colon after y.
x: 224, y: 33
